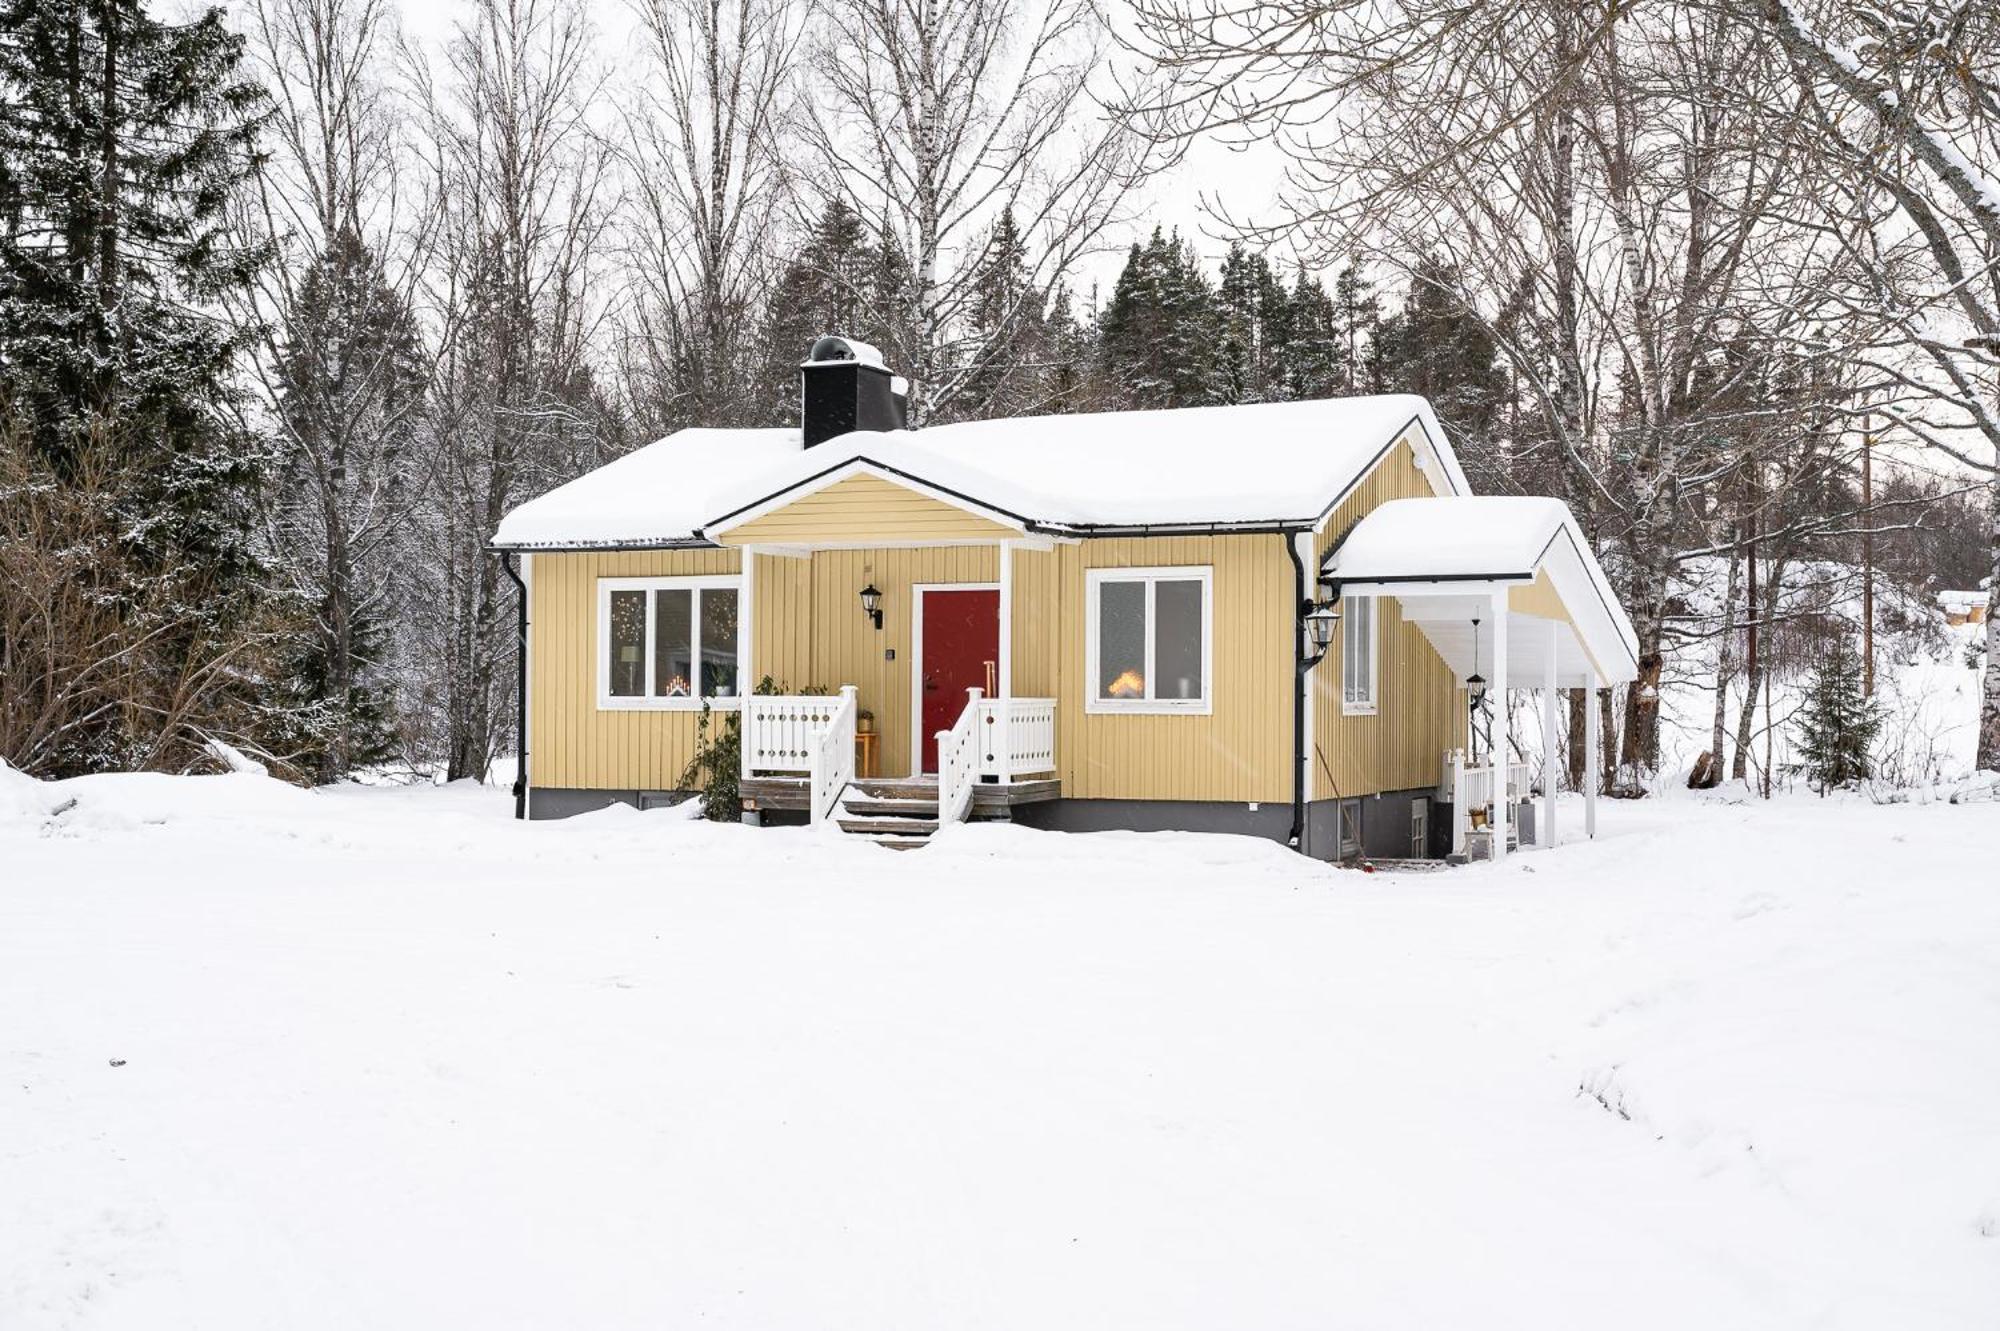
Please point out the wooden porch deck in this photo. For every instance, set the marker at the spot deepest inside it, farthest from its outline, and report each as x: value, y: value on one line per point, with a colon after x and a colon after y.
x: 990, y: 799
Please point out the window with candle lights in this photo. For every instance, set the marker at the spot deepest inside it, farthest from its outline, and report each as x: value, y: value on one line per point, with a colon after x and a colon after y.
x: 1148, y: 639
x: 667, y: 642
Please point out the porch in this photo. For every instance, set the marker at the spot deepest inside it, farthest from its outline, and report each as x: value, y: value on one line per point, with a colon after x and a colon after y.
x: 799, y: 756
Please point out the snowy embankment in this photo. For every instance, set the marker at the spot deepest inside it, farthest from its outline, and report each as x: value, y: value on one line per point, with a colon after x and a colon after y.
x: 385, y: 1058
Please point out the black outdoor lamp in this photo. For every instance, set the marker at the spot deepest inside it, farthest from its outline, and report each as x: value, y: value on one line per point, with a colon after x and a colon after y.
x: 1475, y: 689
x: 1477, y: 682
x: 1320, y: 623
x: 1320, y: 617
x: 871, y: 603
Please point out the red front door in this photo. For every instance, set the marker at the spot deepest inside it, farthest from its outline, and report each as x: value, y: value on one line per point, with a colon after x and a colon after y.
x: 960, y: 651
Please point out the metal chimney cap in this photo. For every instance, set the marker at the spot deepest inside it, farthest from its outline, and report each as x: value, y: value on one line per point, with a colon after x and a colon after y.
x: 835, y: 350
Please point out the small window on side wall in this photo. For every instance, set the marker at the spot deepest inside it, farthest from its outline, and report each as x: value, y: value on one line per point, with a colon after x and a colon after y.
x: 667, y: 642
x: 1148, y: 639
x: 1357, y: 655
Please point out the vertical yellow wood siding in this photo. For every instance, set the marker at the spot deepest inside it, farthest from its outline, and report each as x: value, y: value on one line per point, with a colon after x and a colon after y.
x: 571, y: 744
x: 1239, y: 751
x: 865, y: 508
x: 1420, y: 710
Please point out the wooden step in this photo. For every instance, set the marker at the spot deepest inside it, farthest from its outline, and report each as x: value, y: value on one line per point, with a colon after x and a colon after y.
x: 863, y: 807
x: 889, y: 826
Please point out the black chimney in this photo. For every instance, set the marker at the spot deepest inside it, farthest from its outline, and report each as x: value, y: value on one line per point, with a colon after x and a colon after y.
x: 843, y: 386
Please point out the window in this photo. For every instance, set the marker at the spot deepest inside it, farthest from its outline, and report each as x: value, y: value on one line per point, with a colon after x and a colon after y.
x: 1147, y: 638
x: 1357, y: 655
x: 666, y: 642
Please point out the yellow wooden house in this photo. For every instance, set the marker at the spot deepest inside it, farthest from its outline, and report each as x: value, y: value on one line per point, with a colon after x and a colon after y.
x: 1272, y: 619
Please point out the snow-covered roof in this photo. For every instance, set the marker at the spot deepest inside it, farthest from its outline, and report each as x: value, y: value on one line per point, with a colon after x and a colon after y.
x: 1459, y: 537
x: 1961, y: 599
x: 1413, y: 547
x: 1282, y: 464
x: 655, y: 495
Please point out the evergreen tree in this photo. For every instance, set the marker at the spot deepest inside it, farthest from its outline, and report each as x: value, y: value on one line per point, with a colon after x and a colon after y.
x: 1358, y: 316
x: 841, y: 281
x: 1241, y: 352
x: 1071, y: 343
x: 122, y: 140
x: 350, y: 383
x: 1314, y: 361
x: 1160, y: 330
x: 1838, y: 723
x: 1435, y: 347
x: 1008, y: 335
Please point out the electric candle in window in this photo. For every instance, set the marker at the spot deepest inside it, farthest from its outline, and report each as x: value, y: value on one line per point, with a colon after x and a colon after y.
x: 677, y: 687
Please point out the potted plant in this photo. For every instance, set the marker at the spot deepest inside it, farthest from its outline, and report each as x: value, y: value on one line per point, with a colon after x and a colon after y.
x: 864, y: 722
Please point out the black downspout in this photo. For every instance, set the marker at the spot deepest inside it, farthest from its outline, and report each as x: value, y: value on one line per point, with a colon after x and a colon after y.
x: 520, y: 686
x: 1300, y: 602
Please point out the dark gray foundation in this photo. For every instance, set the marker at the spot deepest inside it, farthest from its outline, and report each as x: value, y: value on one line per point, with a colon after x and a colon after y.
x: 549, y: 802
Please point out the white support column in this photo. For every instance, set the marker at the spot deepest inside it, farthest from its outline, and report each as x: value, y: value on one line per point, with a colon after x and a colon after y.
x: 1545, y: 835
x: 746, y: 625
x: 1593, y: 760
x: 1005, y: 669
x: 1503, y: 816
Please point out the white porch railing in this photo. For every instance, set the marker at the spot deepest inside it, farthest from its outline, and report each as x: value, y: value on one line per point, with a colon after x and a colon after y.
x: 833, y: 757
x: 1016, y: 737
x: 958, y: 762
x: 1472, y: 788
x: 813, y: 735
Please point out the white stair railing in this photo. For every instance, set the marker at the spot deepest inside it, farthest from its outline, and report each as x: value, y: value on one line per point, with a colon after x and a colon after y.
x: 832, y: 766
x: 958, y: 762
x: 1016, y: 737
x: 1472, y: 788
x: 781, y: 733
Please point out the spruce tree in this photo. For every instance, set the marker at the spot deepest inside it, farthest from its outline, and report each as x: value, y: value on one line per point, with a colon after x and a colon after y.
x: 350, y: 383
x: 1007, y: 342
x: 1838, y: 722
x: 1435, y: 347
x: 1314, y: 360
x: 1160, y: 331
x: 841, y: 281
x: 122, y: 140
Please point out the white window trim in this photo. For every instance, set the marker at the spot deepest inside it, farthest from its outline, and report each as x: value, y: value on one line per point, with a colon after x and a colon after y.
x: 1372, y: 704
x: 1092, y: 580
x: 606, y: 701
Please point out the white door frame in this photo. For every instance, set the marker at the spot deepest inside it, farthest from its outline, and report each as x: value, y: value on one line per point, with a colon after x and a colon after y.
x: 917, y: 591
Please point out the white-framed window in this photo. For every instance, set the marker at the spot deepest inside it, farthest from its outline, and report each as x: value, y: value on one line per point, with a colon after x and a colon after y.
x: 1147, y: 639
x: 667, y: 643
x: 1357, y: 655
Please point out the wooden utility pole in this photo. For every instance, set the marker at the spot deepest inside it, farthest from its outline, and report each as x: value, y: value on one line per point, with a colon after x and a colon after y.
x: 1867, y: 558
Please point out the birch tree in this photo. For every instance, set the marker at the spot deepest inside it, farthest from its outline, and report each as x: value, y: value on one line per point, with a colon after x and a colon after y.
x: 514, y: 408
x: 705, y: 142
x: 342, y: 367
x: 936, y: 117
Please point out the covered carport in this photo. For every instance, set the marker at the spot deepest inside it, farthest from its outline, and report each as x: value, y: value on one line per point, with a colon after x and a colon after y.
x: 1508, y: 592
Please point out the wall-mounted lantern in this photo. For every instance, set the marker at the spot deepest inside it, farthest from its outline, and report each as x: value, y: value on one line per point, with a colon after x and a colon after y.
x: 871, y: 603
x: 1320, y: 619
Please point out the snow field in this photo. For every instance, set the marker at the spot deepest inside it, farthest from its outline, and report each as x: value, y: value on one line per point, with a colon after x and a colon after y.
x: 391, y: 1059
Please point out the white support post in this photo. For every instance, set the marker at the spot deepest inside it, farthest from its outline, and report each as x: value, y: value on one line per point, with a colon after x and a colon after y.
x: 1503, y: 816
x: 746, y: 625
x: 1545, y: 835
x: 1593, y: 760
x: 1005, y: 671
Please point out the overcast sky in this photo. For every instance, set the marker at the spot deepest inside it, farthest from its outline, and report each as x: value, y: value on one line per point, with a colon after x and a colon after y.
x: 1247, y: 178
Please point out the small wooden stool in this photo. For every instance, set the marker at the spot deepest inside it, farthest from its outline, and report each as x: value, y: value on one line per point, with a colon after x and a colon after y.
x: 864, y: 753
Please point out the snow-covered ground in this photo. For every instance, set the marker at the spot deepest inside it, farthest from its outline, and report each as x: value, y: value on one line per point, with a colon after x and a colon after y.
x: 384, y: 1058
